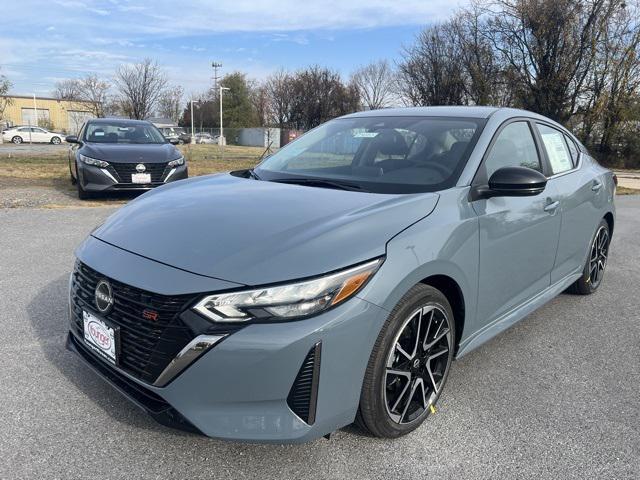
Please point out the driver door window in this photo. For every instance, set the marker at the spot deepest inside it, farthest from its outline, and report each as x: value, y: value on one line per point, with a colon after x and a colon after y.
x: 514, y: 147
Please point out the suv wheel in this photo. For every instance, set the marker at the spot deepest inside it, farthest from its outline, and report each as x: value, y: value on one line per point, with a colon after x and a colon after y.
x: 409, y: 364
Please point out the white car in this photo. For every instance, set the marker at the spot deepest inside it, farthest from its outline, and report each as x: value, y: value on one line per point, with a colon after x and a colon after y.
x: 206, y: 138
x: 20, y: 135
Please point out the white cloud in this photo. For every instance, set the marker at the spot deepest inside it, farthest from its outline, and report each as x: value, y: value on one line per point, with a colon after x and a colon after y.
x: 101, y: 34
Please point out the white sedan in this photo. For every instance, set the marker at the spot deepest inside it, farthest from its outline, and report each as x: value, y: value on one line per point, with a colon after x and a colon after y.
x: 20, y: 135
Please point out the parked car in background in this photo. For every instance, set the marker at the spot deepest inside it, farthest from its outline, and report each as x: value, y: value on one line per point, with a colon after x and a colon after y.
x: 24, y: 134
x: 177, y: 133
x: 206, y: 138
x: 113, y: 154
x: 338, y: 280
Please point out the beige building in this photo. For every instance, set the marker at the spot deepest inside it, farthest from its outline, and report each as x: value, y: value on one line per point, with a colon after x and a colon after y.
x: 59, y: 115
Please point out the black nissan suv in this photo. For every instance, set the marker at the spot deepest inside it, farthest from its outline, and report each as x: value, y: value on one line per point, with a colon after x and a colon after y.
x: 115, y: 155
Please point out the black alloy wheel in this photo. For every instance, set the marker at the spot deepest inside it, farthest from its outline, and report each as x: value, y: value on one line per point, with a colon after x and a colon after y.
x: 596, y: 264
x: 409, y: 364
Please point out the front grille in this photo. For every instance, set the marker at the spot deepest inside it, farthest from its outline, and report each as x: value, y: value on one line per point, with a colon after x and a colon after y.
x: 303, y: 396
x: 123, y: 171
x: 146, y: 346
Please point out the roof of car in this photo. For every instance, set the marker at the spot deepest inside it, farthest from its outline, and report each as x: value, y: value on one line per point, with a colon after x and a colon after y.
x: 119, y: 120
x: 451, y: 111
x: 444, y: 111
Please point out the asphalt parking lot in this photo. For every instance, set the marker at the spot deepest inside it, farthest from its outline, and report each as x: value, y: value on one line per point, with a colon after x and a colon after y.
x: 557, y: 396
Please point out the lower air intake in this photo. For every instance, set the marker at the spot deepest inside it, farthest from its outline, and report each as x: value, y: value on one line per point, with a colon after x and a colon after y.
x: 303, y: 396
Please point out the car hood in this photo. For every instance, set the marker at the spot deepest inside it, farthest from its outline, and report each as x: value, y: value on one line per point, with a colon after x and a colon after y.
x: 257, y: 232
x: 131, y: 153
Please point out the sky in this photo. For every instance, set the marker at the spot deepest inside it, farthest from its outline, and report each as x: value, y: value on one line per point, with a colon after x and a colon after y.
x: 44, y: 41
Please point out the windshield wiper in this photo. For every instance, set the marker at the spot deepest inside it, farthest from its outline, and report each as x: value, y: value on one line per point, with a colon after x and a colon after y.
x: 252, y: 173
x: 321, y: 182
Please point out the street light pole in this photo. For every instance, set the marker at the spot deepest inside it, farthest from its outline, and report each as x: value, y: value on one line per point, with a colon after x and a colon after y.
x: 216, y: 66
x: 193, y: 137
x: 221, y: 138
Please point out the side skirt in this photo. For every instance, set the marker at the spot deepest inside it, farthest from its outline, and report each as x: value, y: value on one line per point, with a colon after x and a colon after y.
x: 500, y: 324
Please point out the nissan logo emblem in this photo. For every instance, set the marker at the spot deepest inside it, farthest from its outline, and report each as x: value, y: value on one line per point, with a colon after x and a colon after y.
x: 103, y: 297
x: 140, y: 168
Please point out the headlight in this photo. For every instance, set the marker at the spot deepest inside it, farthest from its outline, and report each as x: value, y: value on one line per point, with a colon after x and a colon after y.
x: 176, y: 162
x: 93, y: 161
x: 288, y: 301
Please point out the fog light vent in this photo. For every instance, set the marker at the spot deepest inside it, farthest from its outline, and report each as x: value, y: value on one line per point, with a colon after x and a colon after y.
x: 303, y: 396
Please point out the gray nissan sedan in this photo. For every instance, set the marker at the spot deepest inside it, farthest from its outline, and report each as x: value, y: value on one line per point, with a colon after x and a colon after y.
x: 111, y: 154
x: 338, y: 280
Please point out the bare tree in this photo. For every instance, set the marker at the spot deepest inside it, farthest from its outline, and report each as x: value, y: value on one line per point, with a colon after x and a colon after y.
x: 318, y: 95
x: 548, y: 48
x: 170, y: 103
x: 95, y: 93
x: 88, y: 92
x: 67, y: 90
x: 5, y: 101
x: 375, y: 83
x: 261, y: 104
x: 140, y: 86
x: 431, y: 71
x: 279, y: 89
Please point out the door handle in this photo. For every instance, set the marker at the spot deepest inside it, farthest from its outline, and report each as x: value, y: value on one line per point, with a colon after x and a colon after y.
x: 596, y: 185
x: 552, y: 207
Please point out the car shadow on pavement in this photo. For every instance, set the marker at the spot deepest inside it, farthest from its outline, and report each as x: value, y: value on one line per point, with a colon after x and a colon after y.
x: 48, y: 314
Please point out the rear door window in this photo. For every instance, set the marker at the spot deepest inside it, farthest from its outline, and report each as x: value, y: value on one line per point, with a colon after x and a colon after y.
x: 573, y: 150
x: 556, y: 148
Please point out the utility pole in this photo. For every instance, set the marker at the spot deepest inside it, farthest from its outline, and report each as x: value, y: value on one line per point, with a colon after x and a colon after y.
x: 221, y: 140
x: 216, y: 66
x: 193, y: 136
x: 35, y: 110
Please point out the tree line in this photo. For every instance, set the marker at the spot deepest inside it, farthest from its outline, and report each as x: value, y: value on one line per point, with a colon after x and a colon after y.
x: 575, y: 61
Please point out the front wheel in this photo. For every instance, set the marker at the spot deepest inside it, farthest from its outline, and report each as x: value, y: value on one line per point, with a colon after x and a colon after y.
x: 56, y: 140
x: 82, y: 193
x: 593, y: 272
x: 17, y: 140
x: 409, y: 364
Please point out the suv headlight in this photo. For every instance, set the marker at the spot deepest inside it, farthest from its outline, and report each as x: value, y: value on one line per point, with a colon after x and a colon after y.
x: 93, y: 161
x: 288, y: 301
x: 176, y: 162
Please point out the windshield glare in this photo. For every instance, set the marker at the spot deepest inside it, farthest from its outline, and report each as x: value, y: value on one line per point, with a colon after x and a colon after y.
x: 379, y: 154
x: 122, y: 132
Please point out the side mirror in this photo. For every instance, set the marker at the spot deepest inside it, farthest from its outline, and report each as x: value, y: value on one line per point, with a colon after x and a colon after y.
x: 174, y: 141
x: 512, y: 182
x: 72, y: 139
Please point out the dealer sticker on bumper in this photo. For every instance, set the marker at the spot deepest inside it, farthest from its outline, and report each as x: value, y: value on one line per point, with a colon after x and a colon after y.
x: 100, y: 337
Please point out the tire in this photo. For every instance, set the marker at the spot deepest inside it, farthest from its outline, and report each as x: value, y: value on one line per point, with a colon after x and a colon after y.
x: 73, y: 179
x: 180, y: 142
x: 391, y: 404
x: 82, y: 193
x: 17, y: 140
x: 591, y: 278
x: 56, y: 141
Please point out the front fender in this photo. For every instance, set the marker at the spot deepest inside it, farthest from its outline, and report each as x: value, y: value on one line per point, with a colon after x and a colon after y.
x: 444, y: 243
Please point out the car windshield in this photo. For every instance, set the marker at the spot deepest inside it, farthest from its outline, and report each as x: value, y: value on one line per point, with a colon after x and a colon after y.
x: 122, y: 132
x: 378, y: 154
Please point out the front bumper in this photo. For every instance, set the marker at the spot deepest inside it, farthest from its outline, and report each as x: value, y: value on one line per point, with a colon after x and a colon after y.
x: 95, y: 179
x: 238, y: 389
